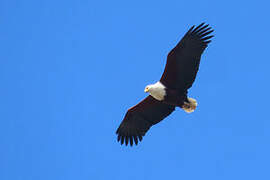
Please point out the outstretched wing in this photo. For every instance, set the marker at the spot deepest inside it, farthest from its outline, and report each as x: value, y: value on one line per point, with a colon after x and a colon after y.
x: 140, y: 118
x: 183, y: 60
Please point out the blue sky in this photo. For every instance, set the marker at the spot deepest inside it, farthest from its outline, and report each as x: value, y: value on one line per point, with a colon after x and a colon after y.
x: 69, y: 70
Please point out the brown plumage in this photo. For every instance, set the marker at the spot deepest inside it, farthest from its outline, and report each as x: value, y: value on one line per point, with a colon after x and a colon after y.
x: 179, y: 74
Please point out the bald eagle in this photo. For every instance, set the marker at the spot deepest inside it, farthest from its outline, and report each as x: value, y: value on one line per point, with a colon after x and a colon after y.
x: 171, y: 90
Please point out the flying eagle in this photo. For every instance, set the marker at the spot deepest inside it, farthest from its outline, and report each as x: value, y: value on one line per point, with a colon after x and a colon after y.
x: 171, y: 90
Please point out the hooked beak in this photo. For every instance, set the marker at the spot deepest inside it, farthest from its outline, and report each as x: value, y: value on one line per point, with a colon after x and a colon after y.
x: 146, y: 90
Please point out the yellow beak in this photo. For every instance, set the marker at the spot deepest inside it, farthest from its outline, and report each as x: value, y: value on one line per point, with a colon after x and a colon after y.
x: 146, y: 89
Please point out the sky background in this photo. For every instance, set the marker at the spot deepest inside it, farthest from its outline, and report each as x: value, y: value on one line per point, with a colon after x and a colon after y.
x: 69, y: 70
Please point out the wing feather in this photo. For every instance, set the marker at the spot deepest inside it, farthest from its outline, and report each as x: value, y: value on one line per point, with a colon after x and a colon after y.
x: 184, y: 59
x: 140, y: 118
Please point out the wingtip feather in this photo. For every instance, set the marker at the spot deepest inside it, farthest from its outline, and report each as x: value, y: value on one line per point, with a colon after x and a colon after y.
x: 195, y: 30
x: 207, y: 37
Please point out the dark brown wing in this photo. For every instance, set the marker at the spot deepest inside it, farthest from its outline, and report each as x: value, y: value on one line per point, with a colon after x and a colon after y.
x: 140, y: 118
x: 183, y: 60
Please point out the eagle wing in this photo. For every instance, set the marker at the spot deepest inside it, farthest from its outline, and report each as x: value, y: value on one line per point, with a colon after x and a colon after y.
x: 140, y: 118
x: 184, y: 59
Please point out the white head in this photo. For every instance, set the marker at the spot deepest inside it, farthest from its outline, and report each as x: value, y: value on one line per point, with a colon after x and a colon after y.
x: 156, y: 90
x: 148, y: 88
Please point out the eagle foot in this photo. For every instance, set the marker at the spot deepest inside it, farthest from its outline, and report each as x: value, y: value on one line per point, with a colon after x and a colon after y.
x: 190, y: 106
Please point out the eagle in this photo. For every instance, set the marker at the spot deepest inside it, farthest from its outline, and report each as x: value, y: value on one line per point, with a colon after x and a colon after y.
x: 171, y: 90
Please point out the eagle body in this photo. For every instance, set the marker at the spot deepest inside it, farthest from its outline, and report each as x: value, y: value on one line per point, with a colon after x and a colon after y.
x: 166, y: 95
x: 171, y: 90
x: 175, y: 98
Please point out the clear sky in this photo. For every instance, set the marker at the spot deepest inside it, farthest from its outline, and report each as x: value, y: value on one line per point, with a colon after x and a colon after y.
x: 69, y: 70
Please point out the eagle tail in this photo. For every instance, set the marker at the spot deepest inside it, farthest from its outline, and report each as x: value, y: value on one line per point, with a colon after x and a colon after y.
x: 190, y: 106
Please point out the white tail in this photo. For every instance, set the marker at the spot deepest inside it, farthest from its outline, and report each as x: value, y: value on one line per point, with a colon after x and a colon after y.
x: 190, y: 106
